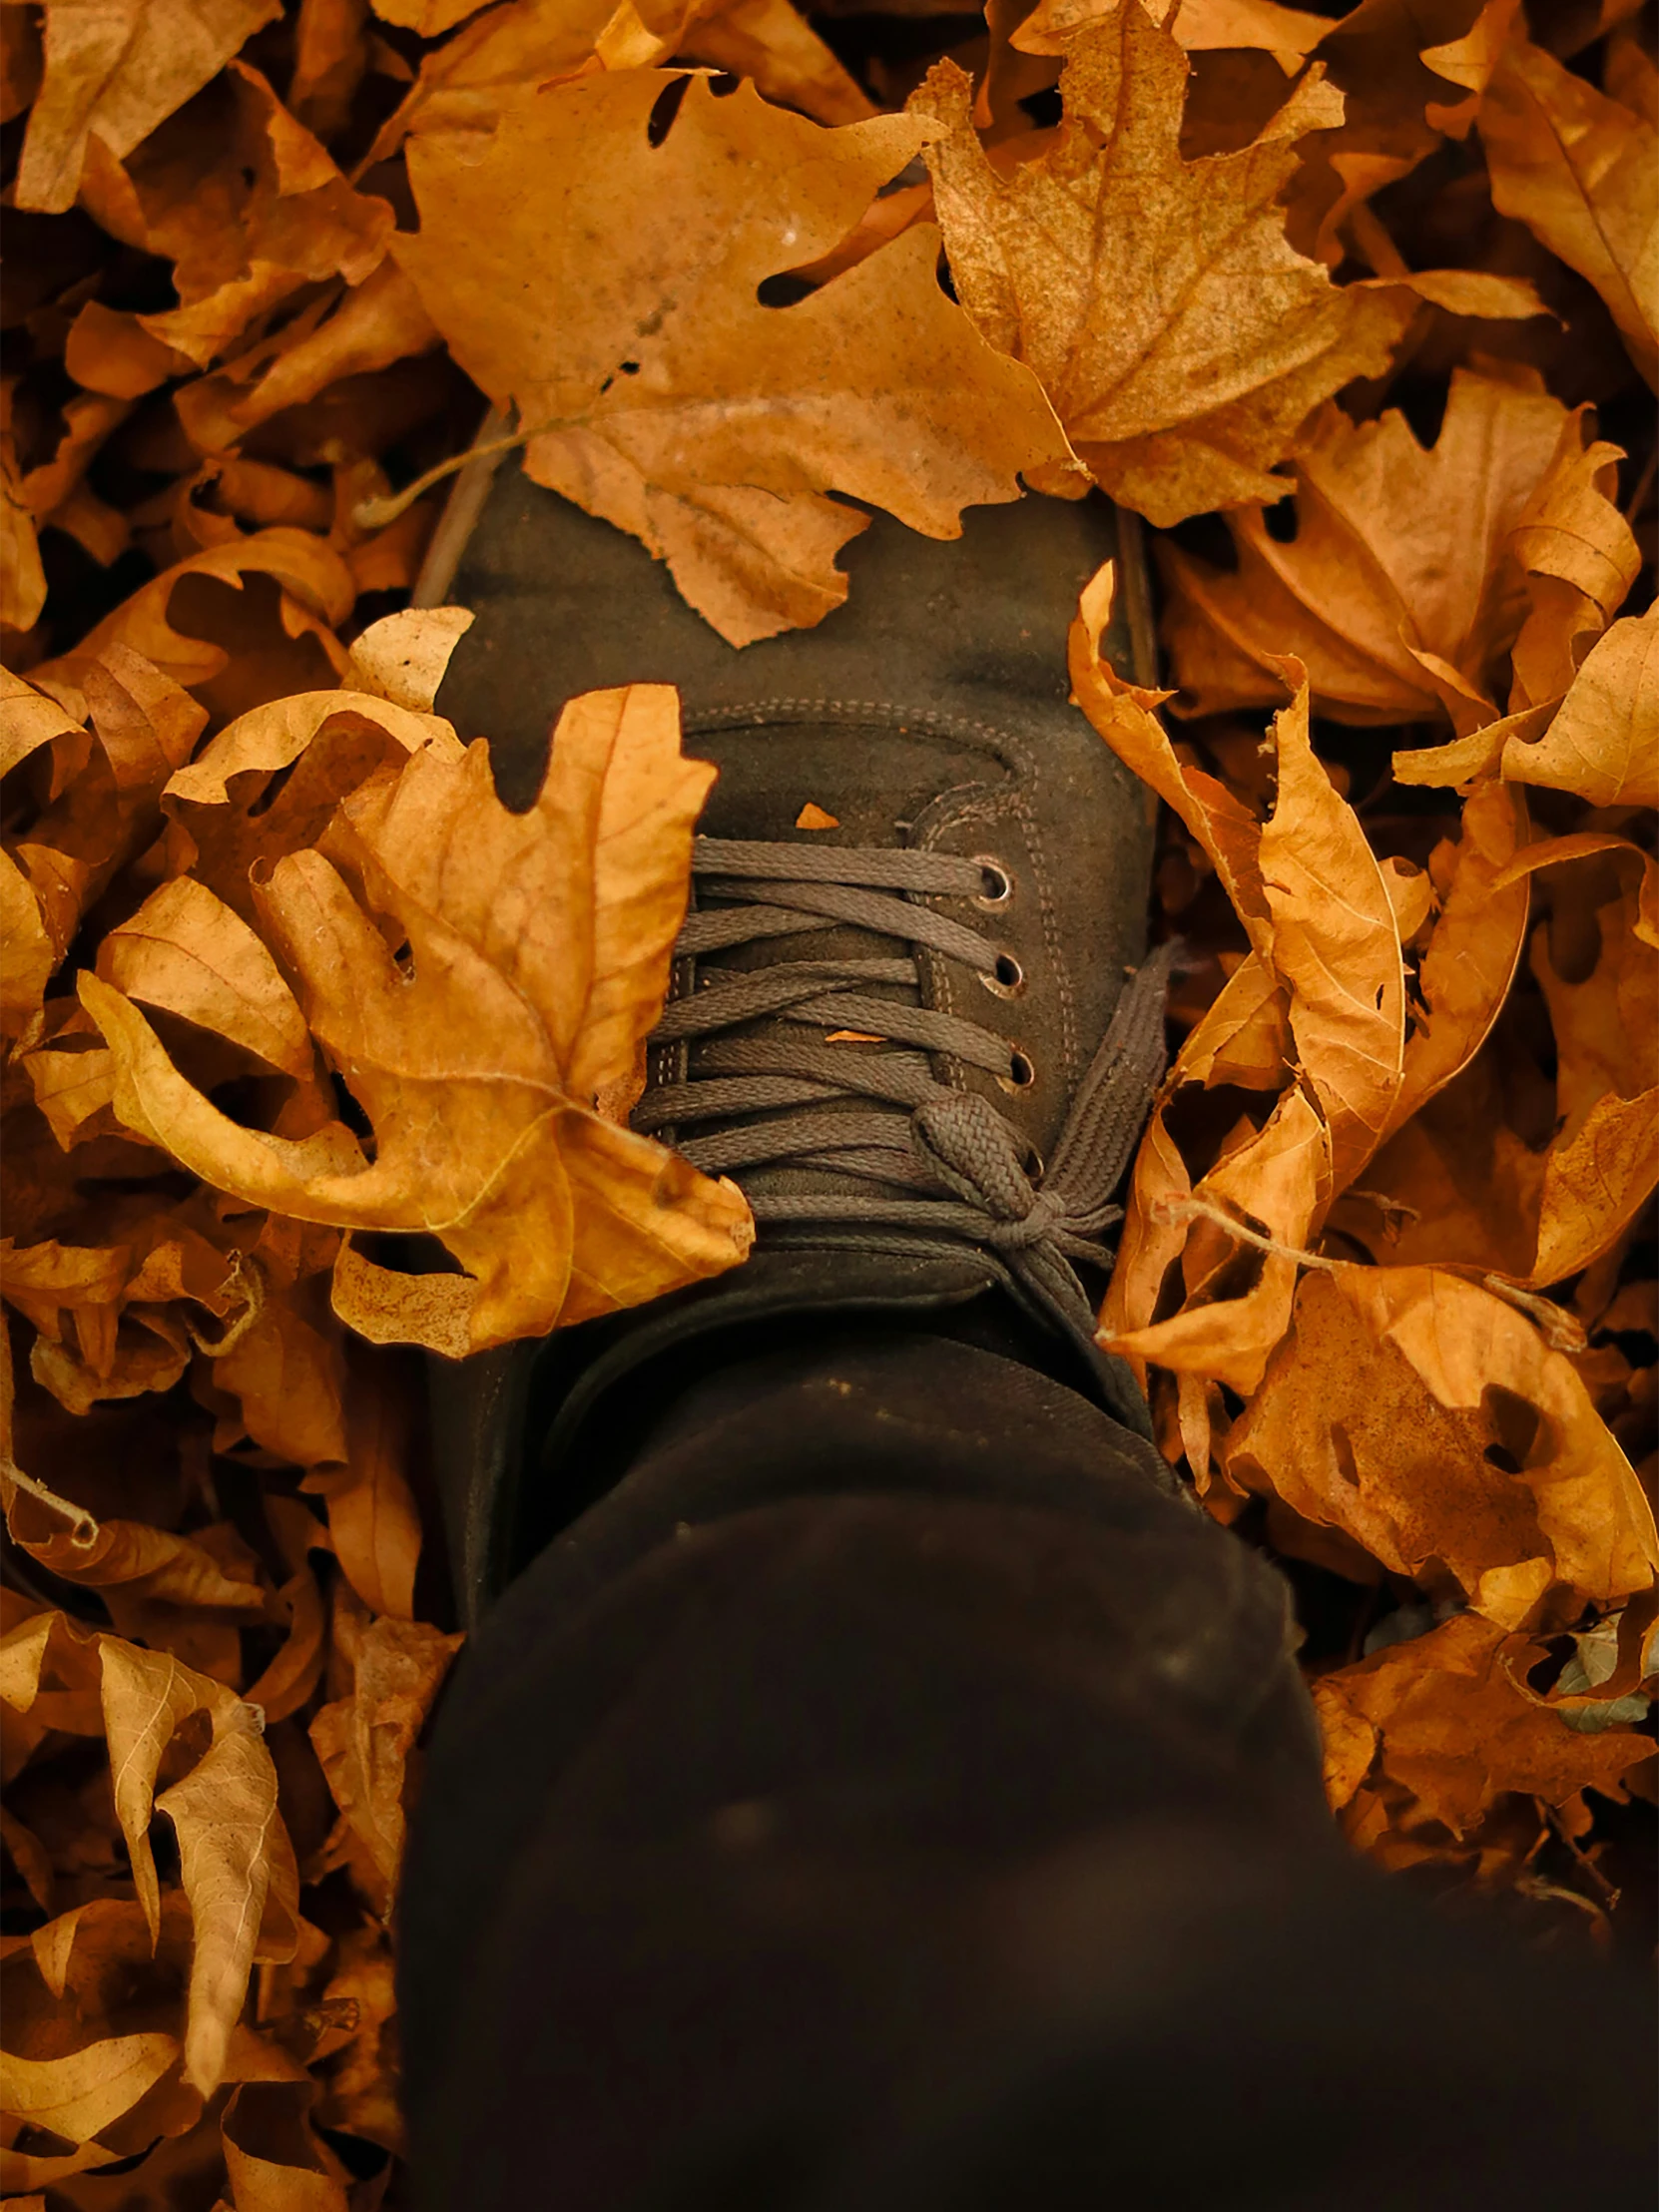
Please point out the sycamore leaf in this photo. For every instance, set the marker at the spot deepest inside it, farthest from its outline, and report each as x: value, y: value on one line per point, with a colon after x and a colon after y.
x: 1603, y: 744
x: 1180, y: 337
x: 1403, y: 587
x: 1429, y: 1420
x: 1447, y: 1716
x: 605, y: 287
x: 538, y: 950
x: 115, y: 72
x: 1577, y: 169
x: 373, y: 1522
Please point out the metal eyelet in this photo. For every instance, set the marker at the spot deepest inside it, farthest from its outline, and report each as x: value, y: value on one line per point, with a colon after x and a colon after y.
x: 1006, y: 979
x: 1022, y: 1072
x: 999, y: 884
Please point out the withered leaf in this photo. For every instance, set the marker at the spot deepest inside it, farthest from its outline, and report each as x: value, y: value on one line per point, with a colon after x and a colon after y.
x: 1401, y: 589
x: 1577, y: 169
x: 1604, y: 742
x: 1179, y: 335
x: 1447, y: 1716
x: 235, y: 1861
x: 538, y: 952
x: 1429, y: 1420
x: 605, y: 287
x: 365, y: 1740
x: 115, y: 72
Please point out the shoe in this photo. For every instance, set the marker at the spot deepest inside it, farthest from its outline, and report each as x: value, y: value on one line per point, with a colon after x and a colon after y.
x: 919, y: 1036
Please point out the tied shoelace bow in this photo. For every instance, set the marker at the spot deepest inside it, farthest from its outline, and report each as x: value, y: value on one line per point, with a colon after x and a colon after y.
x: 787, y: 1097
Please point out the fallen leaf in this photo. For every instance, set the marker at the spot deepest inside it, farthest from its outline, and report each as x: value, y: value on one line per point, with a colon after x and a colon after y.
x: 1429, y: 1420
x: 1577, y: 169
x: 1180, y: 337
x: 1604, y: 742
x: 365, y: 1741
x: 1403, y: 588
x: 875, y: 385
x: 538, y: 957
x: 115, y: 72
x: 1447, y: 1716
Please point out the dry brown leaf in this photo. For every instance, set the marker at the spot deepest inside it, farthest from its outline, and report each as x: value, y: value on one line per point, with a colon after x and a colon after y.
x: 248, y: 208
x: 1603, y: 744
x: 373, y: 1522
x: 1429, y: 1420
x: 562, y: 288
x: 538, y: 950
x: 1180, y: 337
x: 313, y: 581
x: 1447, y: 1716
x: 187, y: 951
x: 115, y: 72
x: 364, y: 1742
x: 1404, y: 586
x: 1577, y: 169
x: 274, y: 2157
x: 235, y: 1862
x: 1306, y: 886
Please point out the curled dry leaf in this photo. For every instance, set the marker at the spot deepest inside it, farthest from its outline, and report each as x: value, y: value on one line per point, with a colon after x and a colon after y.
x: 1403, y: 588
x: 1427, y: 1420
x: 115, y: 73
x: 1603, y: 744
x: 1306, y: 884
x: 1577, y: 169
x: 537, y: 958
x: 1448, y: 1718
x: 875, y: 385
x: 1179, y: 335
x: 364, y: 1742
x: 235, y: 1862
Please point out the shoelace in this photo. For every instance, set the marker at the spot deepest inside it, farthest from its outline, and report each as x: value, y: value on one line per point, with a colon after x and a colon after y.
x: 962, y: 1159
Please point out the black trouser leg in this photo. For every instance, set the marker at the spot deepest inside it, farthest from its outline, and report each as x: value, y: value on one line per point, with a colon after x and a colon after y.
x: 893, y: 1796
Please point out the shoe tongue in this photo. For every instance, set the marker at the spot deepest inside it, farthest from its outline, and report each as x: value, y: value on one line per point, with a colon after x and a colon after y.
x: 869, y: 767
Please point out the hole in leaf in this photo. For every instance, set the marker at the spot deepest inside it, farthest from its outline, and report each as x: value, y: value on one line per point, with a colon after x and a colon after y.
x: 663, y: 112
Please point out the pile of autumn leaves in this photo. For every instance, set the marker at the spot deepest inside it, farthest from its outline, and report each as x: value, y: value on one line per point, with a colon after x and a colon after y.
x: 285, y: 981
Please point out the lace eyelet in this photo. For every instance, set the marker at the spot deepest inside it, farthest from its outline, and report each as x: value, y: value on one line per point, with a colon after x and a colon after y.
x: 999, y: 884
x: 1021, y: 1073
x: 1006, y: 979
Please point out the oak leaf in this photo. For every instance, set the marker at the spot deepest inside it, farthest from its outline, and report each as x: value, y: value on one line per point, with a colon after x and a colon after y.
x: 1403, y: 586
x: 1179, y: 335
x: 538, y: 957
x: 660, y: 392
x: 1577, y: 169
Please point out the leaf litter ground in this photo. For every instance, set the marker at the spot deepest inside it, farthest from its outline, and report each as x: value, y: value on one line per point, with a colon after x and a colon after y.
x: 1357, y: 312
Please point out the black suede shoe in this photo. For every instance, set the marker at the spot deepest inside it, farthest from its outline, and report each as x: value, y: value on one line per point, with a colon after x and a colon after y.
x: 919, y: 1034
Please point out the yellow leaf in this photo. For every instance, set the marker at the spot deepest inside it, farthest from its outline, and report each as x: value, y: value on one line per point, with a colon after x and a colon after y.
x: 605, y: 287
x: 1577, y: 169
x: 1179, y: 335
